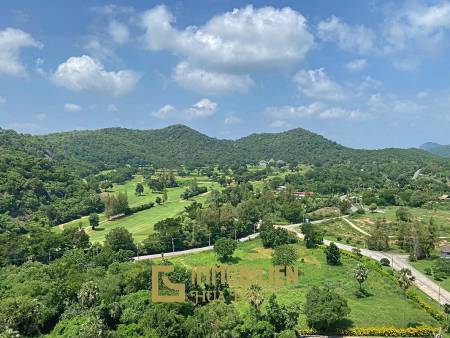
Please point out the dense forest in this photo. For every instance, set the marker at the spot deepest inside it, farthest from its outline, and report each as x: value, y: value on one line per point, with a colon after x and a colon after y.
x: 178, y: 145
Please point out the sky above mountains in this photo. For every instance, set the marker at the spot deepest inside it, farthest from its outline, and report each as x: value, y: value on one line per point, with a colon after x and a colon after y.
x: 367, y: 74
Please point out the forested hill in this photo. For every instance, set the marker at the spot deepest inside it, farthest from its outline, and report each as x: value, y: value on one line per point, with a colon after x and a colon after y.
x: 178, y: 144
x: 437, y: 149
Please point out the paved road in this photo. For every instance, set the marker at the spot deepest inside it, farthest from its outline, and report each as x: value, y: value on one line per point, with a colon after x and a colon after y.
x: 189, y: 251
x: 398, y: 262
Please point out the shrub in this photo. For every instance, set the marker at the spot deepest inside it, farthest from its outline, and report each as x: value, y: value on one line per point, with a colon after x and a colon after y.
x: 385, y: 262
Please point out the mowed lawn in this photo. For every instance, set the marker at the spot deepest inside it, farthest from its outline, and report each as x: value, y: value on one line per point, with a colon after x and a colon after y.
x: 384, y: 307
x: 141, y: 223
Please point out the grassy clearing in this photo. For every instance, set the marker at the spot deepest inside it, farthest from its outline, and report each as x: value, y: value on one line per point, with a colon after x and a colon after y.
x: 340, y: 231
x: 441, y: 217
x: 428, y: 263
x: 383, y: 308
x: 141, y: 223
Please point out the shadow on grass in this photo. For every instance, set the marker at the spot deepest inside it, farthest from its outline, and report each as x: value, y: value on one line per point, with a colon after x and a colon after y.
x: 363, y: 293
x: 98, y: 229
x: 231, y: 260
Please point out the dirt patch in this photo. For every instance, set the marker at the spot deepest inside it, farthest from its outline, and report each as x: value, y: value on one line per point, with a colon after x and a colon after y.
x: 262, y: 253
x: 365, y: 221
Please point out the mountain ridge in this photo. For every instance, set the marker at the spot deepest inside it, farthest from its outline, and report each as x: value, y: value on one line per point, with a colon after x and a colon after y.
x: 179, y: 144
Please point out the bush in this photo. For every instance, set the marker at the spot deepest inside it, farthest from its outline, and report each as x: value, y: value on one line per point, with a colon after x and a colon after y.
x: 333, y: 254
x: 224, y: 248
x: 385, y: 262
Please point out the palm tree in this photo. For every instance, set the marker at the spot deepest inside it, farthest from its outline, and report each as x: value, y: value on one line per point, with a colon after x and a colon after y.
x: 255, y: 296
x: 405, y: 280
x: 361, y: 274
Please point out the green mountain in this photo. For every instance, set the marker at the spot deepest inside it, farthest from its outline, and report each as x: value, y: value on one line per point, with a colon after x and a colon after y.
x: 178, y: 144
x: 436, y: 148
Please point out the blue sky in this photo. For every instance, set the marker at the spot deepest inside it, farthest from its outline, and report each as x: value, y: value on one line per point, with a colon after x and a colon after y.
x: 367, y: 74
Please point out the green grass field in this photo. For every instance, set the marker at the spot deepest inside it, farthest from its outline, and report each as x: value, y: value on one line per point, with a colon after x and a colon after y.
x: 428, y: 263
x: 141, y: 223
x: 384, y: 307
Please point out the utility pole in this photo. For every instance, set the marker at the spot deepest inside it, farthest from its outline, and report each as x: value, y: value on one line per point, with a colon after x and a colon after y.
x: 173, y: 246
x: 209, y: 239
x: 235, y: 235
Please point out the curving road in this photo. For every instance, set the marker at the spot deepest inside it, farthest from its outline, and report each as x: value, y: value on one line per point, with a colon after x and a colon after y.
x: 398, y: 262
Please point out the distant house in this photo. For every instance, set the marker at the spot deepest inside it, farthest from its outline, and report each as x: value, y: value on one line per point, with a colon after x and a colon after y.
x: 262, y: 163
x: 302, y: 194
x: 281, y: 188
x: 445, y: 251
x: 444, y: 198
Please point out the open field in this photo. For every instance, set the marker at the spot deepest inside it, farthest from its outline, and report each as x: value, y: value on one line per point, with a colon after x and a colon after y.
x: 383, y: 307
x: 441, y: 217
x: 141, y: 223
x: 429, y: 263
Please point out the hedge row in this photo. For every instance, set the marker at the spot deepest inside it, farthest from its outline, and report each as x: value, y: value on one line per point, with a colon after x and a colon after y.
x: 139, y: 208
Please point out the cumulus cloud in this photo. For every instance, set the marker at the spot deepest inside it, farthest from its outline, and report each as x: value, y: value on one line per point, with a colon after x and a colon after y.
x: 356, y: 65
x: 210, y: 82
x: 2, y: 99
x: 201, y: 109
x: 164, y: 112
x: 71, y: 107
x: 317, y: 85
x: 240, y: 39
x: 41, y: 116
x: 218, y: 55
x: 357, y: 39
x: 11, y: 42
x: 87, y: 74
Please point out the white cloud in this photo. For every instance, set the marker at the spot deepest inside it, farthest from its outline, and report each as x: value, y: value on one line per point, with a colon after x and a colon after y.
x: 292, y: 112
x: 376, y: 103
x: 119, y: 32
x: 356, y: 65
x: 71, y: 107
x: 316, y: 84
x: 406, y: 106
x: 2, y: 99
x: 415, y: 31
x: 99, y: 49
x: 201, y: 109
x: 317, y: 110
x: 423, y: 94
x: 112, y: 108
x: 87, y: 74
x: 243, y: 38
x: 210, y: 82
x: 357, y: 39
x: 164, y: 112
x: 11, y: 42
x: 232, y: 119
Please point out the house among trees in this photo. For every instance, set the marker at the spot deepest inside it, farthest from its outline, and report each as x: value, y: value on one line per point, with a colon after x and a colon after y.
x: 262, y: 163
x: 302, y: 194
x: 444, y: 198
x: 445, y: 251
